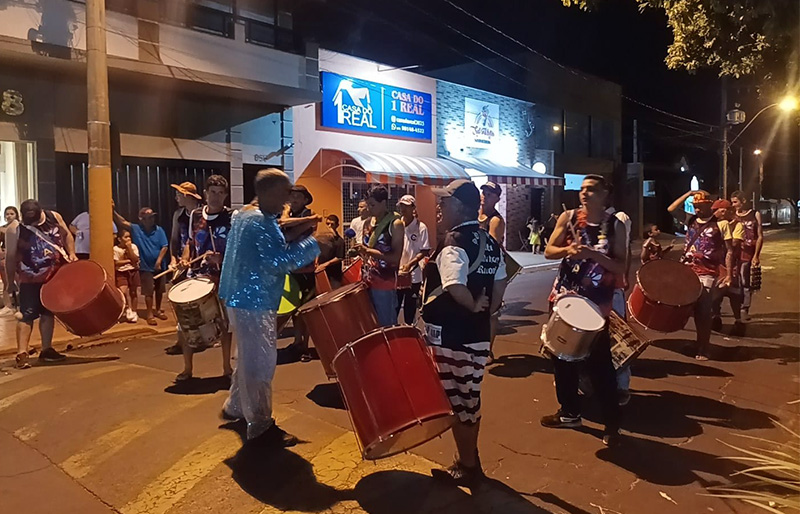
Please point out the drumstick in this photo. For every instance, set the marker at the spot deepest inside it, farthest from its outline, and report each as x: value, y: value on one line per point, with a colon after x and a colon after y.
x: 571, y: 227
x: 173, y: 268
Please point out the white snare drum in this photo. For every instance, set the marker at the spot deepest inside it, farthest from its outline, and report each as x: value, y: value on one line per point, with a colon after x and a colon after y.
x: 572, y: 328
x: 198, y: 311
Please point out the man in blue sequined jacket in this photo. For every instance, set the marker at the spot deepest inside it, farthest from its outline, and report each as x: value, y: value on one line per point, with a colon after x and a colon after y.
x: 257, y: 260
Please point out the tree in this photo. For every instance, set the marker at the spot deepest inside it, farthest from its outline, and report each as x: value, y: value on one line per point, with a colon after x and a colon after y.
x: 733, y: 37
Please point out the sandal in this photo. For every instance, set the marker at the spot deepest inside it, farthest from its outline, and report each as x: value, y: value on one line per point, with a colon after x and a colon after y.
x: 152, y: 321
x: 21, y: 361
x: 162, y: 315
x: 183, y: 377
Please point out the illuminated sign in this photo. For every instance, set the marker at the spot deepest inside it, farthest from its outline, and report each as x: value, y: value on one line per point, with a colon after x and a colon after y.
x: 358, y: 105
x: 481, y: 123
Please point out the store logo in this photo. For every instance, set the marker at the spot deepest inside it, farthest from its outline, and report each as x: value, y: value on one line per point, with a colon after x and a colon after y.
x: 353, y: 105
x: 12, y: 102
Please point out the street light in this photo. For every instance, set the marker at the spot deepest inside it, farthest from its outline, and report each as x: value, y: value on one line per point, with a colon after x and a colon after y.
x: 789, y: 103
x: 556, y: 128
x: 757, y: 151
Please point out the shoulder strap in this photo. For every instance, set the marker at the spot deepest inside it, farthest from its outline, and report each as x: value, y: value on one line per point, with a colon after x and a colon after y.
x: 472, y: 268
x: 47, y: 241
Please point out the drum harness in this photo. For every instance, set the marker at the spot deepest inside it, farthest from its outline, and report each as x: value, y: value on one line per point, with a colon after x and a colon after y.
x: 47, y: 240
x: 436, y: 293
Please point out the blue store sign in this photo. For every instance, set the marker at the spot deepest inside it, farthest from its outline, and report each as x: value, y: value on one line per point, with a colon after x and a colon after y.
x: 358, y: 105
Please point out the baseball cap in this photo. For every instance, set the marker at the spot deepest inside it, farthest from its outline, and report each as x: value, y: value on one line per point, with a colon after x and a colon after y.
x: 492, y: 188
x: 721, y: 204
x: 407, y: 200
x: 462, y: 190
x: 145, y: 212
x: 187, y: 188
x: 302, y: 189
x: 701, y: 197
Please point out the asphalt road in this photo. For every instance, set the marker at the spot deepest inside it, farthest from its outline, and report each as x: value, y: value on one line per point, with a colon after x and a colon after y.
x: 107, y: 431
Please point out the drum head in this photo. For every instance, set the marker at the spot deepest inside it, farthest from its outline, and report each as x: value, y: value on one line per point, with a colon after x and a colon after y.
x: 581, y: 313
x: 73, y: 287
x: 669, y: 282
x: 292, y: 295
x: 332, y: 296
x: 190, y: 290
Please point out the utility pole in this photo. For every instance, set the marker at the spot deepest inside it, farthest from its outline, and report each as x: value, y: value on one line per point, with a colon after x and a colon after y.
x: 741, y: 185
x: 723, y: 175
x: 636, y: 170
x: 98, y: 131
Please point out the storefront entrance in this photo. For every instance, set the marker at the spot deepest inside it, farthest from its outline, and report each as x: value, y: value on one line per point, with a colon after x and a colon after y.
x: 17, y: 172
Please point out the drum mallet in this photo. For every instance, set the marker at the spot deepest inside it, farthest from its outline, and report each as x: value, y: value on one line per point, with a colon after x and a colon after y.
x: 175, y: 268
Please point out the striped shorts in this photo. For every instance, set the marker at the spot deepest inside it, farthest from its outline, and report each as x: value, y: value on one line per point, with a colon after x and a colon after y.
x: 461, y: 373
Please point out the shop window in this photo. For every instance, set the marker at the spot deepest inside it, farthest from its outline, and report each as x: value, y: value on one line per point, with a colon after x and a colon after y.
x: 602, y: 138
x: 353, y: 191
x: 212, y: 17
x: 17, y: 173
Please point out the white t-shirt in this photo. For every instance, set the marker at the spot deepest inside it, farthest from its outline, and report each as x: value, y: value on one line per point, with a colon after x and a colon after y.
x: 357, y: 224
x: 81, y: 222
x: 416, y: 240
x: 119, y: 254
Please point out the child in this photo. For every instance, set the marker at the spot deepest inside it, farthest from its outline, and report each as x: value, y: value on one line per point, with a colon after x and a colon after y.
x: 535, y: 236
x: 126, y: 264
x: 651, y: 249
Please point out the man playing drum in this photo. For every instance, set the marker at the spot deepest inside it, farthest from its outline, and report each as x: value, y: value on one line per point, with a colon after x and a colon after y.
x: 40, y: 245
x: 415, y: 248
x: 708, y: 247
x: 461, y: 287
x: 251, y: 285
x: 208, y: 234
x: 592, y: 245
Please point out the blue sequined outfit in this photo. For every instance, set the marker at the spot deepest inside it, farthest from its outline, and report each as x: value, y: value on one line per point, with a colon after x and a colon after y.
x: 257, y: 260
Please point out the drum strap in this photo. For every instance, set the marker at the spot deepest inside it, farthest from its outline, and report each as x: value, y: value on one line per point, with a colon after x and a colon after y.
x: 47, y: 241
x: 436, y: 293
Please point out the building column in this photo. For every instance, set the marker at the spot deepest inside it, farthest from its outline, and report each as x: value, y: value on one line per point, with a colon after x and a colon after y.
x: 233, y: 138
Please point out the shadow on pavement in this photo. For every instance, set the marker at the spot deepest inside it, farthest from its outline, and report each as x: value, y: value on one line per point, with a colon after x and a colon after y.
x: 71, y: 360
x: 773, y: 325
x: 661, y: 368
x: 520, y: 309
x: 672, y: 414
x: 280, y: 478
x: 520, y: 365
x: 784, y: 354
x: 666, y: 464
x: 194, y: 386
x: 404, y: 492
x: 327, y: 395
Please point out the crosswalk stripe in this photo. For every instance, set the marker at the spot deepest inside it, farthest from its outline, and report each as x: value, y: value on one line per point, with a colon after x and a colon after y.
x: 23, y: 395
x: 106, y: 446
x: 173, y: 484
x: 27, y: 433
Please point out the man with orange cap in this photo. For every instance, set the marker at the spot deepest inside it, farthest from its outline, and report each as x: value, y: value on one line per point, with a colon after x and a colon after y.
x: 709, y: 252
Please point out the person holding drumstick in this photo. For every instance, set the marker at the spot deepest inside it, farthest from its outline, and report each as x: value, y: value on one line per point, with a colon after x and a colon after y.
x: 415, y: 248
x: 251, y: 286
x: 462, y: 286
x: 592, y: 246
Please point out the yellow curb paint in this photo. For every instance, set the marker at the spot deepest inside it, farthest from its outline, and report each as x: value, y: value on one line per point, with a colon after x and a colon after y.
x: 27, y: 433
x: 106, y: 446
x: 23, y: 395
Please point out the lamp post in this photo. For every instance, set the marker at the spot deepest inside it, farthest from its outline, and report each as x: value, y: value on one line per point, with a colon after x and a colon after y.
x: 757, y: 193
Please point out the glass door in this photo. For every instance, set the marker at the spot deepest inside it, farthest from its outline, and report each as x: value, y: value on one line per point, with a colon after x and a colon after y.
x: 17, y: 172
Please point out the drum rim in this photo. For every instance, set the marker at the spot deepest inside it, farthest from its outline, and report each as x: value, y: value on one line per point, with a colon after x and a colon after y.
x: 659, y: 302
x: 373, y: 331
x: 382, y: 439
x: 633, y: 315
x: 333, y: 297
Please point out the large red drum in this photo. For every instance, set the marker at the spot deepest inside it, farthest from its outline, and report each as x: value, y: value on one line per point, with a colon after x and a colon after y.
x: 352, y: 273
x: 81, y: 297
x: 664, y: 296
x: 336, y: 318
x: 392, y: 390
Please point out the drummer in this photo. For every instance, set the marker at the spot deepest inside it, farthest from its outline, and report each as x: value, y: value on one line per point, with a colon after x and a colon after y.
x: 382, y: 250
x: 492, y: 221
x: 251, y: 285
x: 208, y: 234
x: 461, y: 287
x: 40, y: 245
x: 709, y: 246
x: 592, y: 245
x: 416, y: 247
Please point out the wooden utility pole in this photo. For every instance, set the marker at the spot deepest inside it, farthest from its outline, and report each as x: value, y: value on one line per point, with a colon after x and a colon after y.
x: 723, y: 173
x: 98, y: 130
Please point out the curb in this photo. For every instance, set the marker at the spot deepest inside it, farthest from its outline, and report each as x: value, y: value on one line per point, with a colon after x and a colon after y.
x: 75, y: 343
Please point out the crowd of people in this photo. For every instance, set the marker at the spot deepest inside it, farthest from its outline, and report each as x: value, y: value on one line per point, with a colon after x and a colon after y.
x: 453, y: 291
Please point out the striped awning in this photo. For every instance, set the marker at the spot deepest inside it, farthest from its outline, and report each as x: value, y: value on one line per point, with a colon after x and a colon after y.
x: 500, y: 174
x: 402, y: 169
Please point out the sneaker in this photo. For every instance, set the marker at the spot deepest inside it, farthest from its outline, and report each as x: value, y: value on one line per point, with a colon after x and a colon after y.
x: 51, y: 355
x: 458, y: 474
x: 21, y: 361
x: 738, y: 329
x: 561, y: 420
x: 306, y: 357
x: 716, y: 324
x: 623, y: 397
x: 745, y: 316
x: 175, y: 349
x: 152, y: 321
x: 225, y: 415
x: 274, y: 437
x: 612, y: 438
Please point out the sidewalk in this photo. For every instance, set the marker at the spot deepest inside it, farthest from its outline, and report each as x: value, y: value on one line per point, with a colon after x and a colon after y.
x: 62, y: 338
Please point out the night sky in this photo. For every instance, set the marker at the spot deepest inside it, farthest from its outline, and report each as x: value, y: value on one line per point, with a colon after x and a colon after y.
x: 616, y: 42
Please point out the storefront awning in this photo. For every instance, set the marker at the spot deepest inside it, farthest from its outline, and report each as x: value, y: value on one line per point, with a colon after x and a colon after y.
x: 500, y: 174
x: 402, y: 169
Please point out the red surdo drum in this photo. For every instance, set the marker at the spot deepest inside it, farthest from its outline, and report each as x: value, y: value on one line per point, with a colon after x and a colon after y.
x: 664, y: 296
x: 336, y: 318
x: 392, y: 390
x: 80, y: 297
x: 352, y: 273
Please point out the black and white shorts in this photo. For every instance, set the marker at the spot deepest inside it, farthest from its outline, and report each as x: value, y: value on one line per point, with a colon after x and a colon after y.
x: 461, y: 373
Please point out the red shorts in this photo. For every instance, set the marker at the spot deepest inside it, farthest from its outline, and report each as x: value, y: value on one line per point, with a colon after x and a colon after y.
x: 128, y: 278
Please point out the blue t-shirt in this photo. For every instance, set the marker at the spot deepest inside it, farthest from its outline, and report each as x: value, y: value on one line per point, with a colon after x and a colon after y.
x: 150, y: 245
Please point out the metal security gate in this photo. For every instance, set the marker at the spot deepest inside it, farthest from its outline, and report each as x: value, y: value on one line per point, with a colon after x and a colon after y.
x: 137, y: 183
